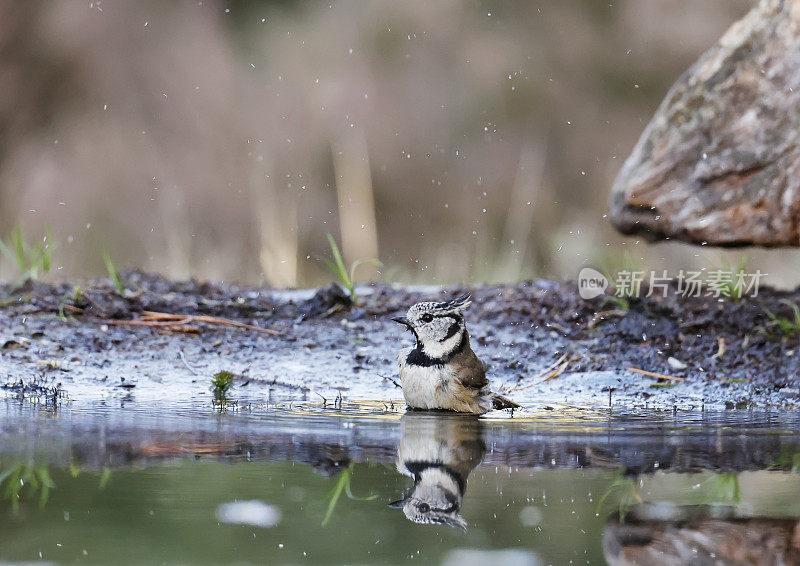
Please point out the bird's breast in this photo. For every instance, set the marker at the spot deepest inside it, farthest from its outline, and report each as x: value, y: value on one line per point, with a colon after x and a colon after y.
x: 421, y: 385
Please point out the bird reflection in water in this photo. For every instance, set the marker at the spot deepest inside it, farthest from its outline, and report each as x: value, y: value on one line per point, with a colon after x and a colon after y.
x: 439, y: 451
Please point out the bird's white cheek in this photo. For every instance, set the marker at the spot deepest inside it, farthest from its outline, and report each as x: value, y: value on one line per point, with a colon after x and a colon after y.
x: 440, y: 349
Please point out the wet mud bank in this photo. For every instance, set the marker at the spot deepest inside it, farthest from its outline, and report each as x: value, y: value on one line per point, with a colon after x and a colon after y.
x: 163, y: 340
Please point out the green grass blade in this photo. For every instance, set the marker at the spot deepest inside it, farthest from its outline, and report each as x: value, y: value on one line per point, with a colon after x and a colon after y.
x: 47, y: 248
x: 340, y: 269
x: 112, y: 273
x: 104, y: 478
x: 19, y: 248
x: 46, y: 484
x: 358, y: 262
x: 341, y: 483
x: 13, y: 487
x: 45, y: 255
x: 354, y: 498
x: 7, y: 251
x: 6, y: 473
x: 353, y: 268
x: 336, y: 271
x: 337, y: 257
x: 795, y: 311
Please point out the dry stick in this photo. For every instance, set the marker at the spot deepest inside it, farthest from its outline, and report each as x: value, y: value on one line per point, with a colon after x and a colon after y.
x: 141, y: 322
x: 560, y: 369
x: 186, y: 363
x: 215, y: 320
x: 151, y: 318
x: 73, y: 309
x: 550, y: 368
x: 654, y: 374
x: 721, y: 351
x: 185, y: 328
x: 553, y: 370
x: 324, y: 400
x: 394, y: 381
x: 603, y: 314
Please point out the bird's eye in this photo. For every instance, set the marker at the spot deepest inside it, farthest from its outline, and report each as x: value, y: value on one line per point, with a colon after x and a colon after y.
x: 423, y: 507
x: 427, y: 317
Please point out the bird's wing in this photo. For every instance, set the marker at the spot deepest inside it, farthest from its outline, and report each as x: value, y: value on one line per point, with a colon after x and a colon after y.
x: 470, y: 371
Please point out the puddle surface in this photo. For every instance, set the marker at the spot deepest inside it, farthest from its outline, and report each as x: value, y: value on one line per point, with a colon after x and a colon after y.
x: 186, y: 485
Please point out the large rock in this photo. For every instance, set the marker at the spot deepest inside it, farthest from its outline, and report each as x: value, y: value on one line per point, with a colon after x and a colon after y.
x: 720, y: 160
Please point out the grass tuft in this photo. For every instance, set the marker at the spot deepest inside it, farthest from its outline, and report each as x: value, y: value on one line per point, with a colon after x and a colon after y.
x: 787, y: 326
x: 221, y: 384
x: 33, y: 260
x: 34, y: 477
x: 621, y: 493
x: 622, y: 303
x: 729, y: 278
x: 338, y: 267
x: 611, y: 266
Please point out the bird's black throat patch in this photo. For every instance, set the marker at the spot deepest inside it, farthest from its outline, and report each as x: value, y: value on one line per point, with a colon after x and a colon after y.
x: 416, y: 468
x: 417, y: 357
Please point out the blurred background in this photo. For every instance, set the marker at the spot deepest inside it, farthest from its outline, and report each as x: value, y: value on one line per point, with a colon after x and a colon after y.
x: 456, y: 141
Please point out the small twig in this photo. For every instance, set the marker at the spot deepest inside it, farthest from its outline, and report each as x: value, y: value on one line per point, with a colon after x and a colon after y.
x: 549, y: 368
x: 656, y: 375
x: 333, y: 310
x: 183, y: 359
x: 100, y: 310
x: 386, y: 377
x: 552, y: 371
x: 184, y: 328
x: 603, y: 314
x: 560, y: 369
x: 207, y: 319
x: 721, y: 350
x: 558, y: 327
x: 73, y: 309
x: 143, y: 322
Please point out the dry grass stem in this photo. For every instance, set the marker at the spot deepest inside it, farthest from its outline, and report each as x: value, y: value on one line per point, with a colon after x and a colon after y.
x: 656, y: 375
x: 552, y: 371
x: 560, y: 368
x: 721, y: 350
x: 177, y: 322
x: 603, y: 315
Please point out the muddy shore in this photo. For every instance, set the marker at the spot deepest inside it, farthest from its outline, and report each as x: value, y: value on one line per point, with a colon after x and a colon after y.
x: 545, y: 345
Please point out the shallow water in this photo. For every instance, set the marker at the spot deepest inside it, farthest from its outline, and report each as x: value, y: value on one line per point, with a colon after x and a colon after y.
x: 190, y: 484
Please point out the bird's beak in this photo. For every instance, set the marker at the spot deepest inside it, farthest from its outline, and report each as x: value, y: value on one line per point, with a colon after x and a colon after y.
x: 396, y: 504
x: 402, y: 320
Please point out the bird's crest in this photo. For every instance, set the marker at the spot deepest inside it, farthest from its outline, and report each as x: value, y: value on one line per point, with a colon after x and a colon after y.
x: 458, y: 304
x: 451, y: 518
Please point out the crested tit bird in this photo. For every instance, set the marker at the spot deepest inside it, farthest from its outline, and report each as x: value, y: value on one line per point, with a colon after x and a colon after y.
x: 441, y: 371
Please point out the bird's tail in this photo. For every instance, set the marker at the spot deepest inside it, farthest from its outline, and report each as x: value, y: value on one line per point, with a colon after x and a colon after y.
x: 500, y: 402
